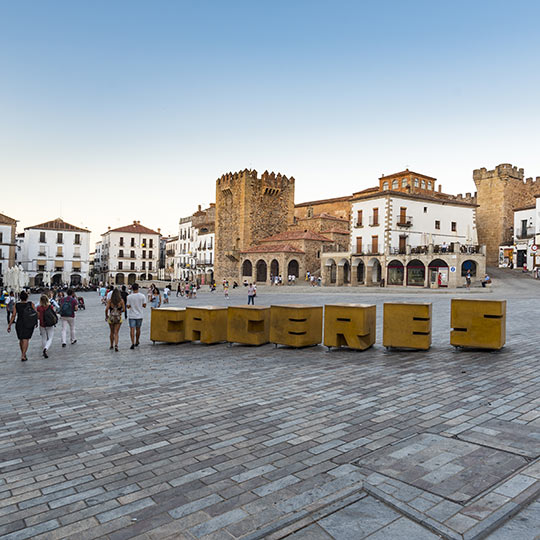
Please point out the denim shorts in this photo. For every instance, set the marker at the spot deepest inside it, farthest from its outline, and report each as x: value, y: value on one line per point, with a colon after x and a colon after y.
x: 135, y: 323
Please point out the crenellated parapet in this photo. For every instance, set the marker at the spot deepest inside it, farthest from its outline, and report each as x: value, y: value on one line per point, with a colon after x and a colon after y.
x: 504, y: 171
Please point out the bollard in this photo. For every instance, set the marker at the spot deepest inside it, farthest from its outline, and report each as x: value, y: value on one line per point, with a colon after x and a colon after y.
x: 295, y: 325
x: 407, y: 326
x: 479, y: 324
x: 168, y: 325
x: 249, y: 325
x: 350, y: 325
x: 207, y: 324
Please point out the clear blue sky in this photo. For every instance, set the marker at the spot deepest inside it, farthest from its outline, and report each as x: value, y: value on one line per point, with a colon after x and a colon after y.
x: 114, y: 110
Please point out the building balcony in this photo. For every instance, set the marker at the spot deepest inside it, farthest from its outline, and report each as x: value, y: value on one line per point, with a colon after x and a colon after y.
x: 373, y: 221
x: 77, y: 255
x: 525, y: 234
x: 405, y: 221
x: 358, y: 224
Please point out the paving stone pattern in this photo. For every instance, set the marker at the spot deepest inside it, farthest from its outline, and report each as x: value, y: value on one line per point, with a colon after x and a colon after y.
x: 199, y: 442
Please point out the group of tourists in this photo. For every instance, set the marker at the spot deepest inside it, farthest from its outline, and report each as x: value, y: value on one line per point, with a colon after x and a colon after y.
x: 130, y: 306
x: 52, y: 306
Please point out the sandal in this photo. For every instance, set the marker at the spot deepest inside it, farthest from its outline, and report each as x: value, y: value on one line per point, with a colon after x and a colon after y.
x: 116, y: 348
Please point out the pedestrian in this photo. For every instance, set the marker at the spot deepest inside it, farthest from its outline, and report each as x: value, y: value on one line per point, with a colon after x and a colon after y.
x: 468, y: 279
x: 155, y: 301
x: 102, y: 293
x: 179, y: 290
x: 68, y: 307
x: 10, y: 305
x: 151, y: 292
x: 226, y: 289
x: 486, y: 280
x: 47, y: 321
x: 136, y: 302
x: 252, y: 293
x: 166, y: 292
x: 27, y: 319
x: 124, y: 295
x: 113, y: 315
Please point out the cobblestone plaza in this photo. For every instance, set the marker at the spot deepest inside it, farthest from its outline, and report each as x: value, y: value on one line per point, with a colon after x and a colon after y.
x: 205, y: 442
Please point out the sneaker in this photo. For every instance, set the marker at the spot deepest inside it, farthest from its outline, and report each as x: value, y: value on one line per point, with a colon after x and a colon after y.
x: 45, y: 353
x: 74, y: 341
x: 63, y: 344
x: 132, y: 346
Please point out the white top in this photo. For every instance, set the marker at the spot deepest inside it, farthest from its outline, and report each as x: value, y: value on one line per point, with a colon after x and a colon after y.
x: 136, y: 303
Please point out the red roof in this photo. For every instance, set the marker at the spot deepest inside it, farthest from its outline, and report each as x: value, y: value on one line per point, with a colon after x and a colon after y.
x: 134, y: 228
x: 7, y: 220
x: 273, y: 248
x: 57, y: 225
x: 297, y: 235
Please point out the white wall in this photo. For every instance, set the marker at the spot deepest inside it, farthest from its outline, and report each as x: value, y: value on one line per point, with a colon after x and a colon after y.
x: 34, y: 250
x: 422, y: 214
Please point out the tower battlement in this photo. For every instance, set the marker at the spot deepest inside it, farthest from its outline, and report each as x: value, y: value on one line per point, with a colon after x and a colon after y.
x: 267, y: 179
x: 504, y: 171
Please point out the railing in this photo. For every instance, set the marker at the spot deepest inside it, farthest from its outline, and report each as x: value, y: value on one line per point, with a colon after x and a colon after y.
x: 470, y: 249
x: 77, y: 255
x: 398, y: 251
x: 333, y: 248
x: 371, y: 249
x: 373, y: 221
x: 358, y: 224
x: 405, y: 221
x: 443, y: 248
x: 525, y: 233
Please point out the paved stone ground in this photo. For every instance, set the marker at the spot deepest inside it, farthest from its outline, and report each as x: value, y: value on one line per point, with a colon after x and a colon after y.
x: 201, y: 442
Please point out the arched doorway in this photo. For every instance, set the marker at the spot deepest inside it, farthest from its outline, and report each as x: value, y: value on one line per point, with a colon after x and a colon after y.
x: 374, y: 272
x: 396, y: 273
x: 331, y: 271
x: 261, y: 271
x: 360, y: 272
x: 274, y: 268
x: 292, y: 268
x: 132, y: 278
x: 247, y: 268
x: 344, y: 263
x: 438, y: 273
x: 416, y: 273
x: 75, y: 280
x: 150, y: 277
x: 468, y: 266
x: 56, y: 279
x: 38, y: 280
x: 119, y: 280
x: 143, y: 277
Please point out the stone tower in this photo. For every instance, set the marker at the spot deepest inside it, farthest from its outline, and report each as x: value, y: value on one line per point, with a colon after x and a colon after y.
x: 248, y: 208
x: 499, y: 192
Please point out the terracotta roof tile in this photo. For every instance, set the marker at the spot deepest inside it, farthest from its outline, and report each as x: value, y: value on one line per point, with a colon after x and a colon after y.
x: 57, y: 225
x: 135, y: 228
x: 6, y: 220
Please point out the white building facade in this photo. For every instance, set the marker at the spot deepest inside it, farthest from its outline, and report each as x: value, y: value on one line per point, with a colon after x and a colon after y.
x: 186, y: 257
x: 523, y: 253
x: 129, y: 254
x: 404, y: 233
x: 59, y: 248
x: 8, y: 245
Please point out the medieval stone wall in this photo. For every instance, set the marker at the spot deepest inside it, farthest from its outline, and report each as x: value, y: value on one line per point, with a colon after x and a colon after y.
x: 499, y: 192
x: 339, y: 207
x: 248, y: 208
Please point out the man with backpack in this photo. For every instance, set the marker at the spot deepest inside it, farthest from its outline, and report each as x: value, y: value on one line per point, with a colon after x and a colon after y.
x: 68, y: 307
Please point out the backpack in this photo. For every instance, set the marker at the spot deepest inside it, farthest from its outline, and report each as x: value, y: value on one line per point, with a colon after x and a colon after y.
x: 49, y: 317
x: 66, y: 308
x: 29, y: 317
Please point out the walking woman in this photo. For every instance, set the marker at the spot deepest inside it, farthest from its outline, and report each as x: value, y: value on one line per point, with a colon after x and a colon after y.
x: 113, y: 315
x: 26, y: 315
x: 155, y: 300
x: 47, y: 322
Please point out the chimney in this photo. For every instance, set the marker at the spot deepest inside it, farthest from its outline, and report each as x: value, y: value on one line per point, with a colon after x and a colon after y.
x: 134, y: 222
x: 109, y: 228
x: 440, y: 188
x: 159, y: 230
x: 199, y: 208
